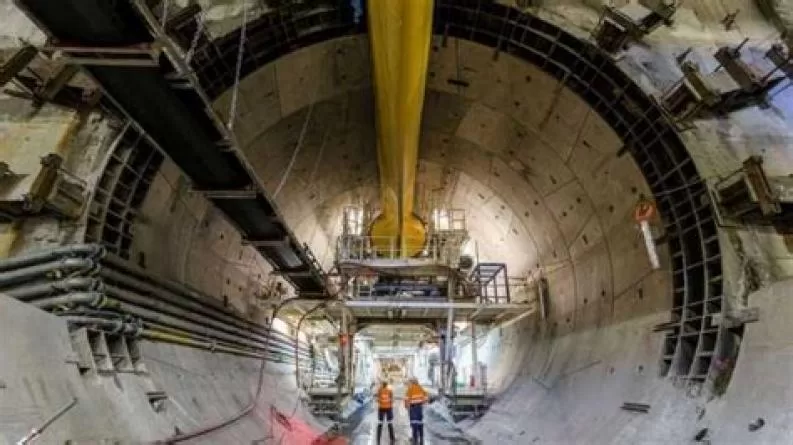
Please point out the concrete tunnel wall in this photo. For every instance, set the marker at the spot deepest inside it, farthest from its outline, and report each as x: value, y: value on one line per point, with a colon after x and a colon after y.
x: 532, y: 165
x: 591, y: 368
x: 39, y: 378
x: 616, y: 333
x: 534, y: 168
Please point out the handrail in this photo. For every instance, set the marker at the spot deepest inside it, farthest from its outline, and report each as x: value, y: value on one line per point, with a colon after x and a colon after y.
x: 366, y: 247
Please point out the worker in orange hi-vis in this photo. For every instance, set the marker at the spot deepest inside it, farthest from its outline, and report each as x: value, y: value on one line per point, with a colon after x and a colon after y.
x: 415, y: 399
x: 385, y: 411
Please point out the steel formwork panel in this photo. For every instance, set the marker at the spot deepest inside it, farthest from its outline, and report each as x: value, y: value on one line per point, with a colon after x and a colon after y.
x: 128, y: 173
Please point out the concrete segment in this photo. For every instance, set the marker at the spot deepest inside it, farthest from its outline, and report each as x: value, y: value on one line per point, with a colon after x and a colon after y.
x: 517, y: 150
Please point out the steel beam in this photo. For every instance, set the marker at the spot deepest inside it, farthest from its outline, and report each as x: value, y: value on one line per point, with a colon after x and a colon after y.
x: 145, y: 54
x: 445, y: 305
x: 276, y: 242
x: 229, y: 194
x: 16, y: 63
x: 181, y: 123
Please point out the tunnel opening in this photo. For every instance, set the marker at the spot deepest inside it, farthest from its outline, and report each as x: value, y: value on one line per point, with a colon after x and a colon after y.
x: 695, y: 349
x: 689, y: 225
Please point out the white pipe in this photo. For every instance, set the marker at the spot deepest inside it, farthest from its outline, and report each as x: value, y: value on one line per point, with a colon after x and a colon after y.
x: 649, y: 242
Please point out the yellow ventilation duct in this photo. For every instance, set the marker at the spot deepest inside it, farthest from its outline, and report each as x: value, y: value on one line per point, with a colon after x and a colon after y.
x: 400, y: 33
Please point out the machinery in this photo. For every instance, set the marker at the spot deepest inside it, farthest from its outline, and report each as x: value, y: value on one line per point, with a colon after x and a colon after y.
x: 734, y: 85
x: 619, y: 26
x: 750, y: 196
x: 31, y: 185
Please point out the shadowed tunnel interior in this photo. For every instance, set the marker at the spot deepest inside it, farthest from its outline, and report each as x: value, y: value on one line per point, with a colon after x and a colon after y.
x: 545, y: 142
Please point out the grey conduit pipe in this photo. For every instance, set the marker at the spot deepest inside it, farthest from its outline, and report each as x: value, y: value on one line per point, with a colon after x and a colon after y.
x: 120, y: 280
x: 46, y: 296
x: 189, y: 300
x: 151, y: 316
x: 44, y: 289
x: 46, y: 255
x: 223, y: 324
x: 91, y: 299
x: 118, y: 263
x: 272, y: 348
x: 136, y: 330
x: 166, y: 309
x: 190, y: 342
x: 65, y: 265
x: 113, y: 326
x: 99, y: 300
x: 167, y: 330
x: 146, y: 281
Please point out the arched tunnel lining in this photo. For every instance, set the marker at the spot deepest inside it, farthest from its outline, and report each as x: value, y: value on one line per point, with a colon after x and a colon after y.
x: 682, y: 197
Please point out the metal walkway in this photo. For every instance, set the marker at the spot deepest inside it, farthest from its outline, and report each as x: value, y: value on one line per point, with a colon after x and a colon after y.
x: 422, y: 311
x: 165, y: 100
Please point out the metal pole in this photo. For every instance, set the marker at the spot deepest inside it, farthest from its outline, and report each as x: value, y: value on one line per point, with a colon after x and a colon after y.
x: 350, y: 357
x: 36, y: 432
x: 506, y: 284
x: 449, y: 343
x: 474, y: 356
x: 652, y: 252
x: 343, y: 353
x: 441, y: 381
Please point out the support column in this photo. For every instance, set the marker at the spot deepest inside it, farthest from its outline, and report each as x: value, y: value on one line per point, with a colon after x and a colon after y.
x: 448, y: 355
x: 351, y: 355
x: 343, y: 355
x: 474, y: 356
x: 442, y: 356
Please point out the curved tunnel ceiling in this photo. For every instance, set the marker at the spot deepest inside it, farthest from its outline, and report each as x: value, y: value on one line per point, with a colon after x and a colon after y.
x: 483, y: 137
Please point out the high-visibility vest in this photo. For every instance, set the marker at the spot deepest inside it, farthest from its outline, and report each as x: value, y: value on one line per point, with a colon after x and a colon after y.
x: 415, y: 395
x: 385, y: 398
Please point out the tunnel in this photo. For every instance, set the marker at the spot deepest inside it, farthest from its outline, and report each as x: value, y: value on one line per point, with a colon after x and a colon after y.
x: 187, y: 187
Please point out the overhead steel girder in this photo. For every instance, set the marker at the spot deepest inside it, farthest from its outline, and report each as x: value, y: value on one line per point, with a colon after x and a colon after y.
x: 178, y: 122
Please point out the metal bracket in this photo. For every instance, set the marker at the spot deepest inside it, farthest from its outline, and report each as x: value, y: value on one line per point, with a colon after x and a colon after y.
x: 748, y: 194
x: 619, y: 26
x: 144, y: 54
x: 737, y: 317
x: 266, y: 242
x: 735, y: 87
x: 50, y: 88
x: 294, y: 273
x: 228, y: 194
x: 16, y: 63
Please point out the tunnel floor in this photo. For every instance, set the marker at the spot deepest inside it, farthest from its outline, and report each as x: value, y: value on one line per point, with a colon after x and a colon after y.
x: 436, y: 432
